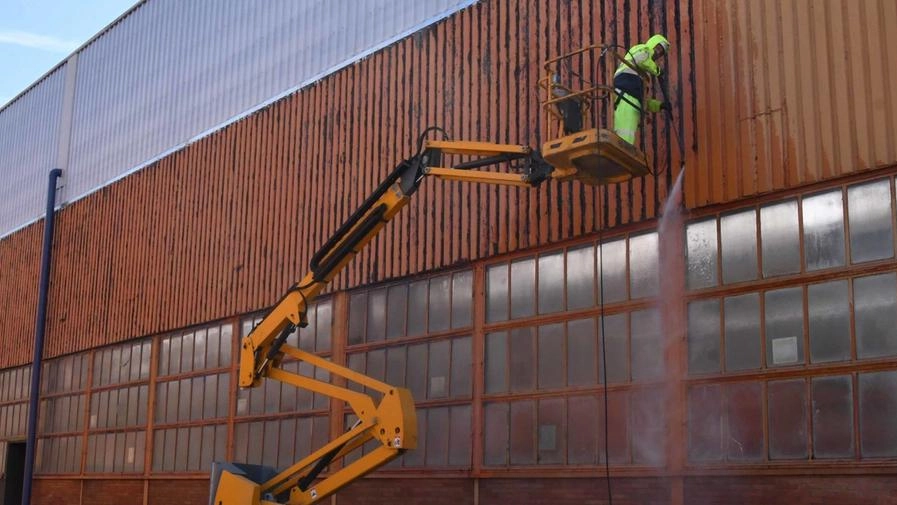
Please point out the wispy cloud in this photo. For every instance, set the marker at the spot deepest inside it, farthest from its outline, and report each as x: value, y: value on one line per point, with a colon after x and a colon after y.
x: 35, y: 41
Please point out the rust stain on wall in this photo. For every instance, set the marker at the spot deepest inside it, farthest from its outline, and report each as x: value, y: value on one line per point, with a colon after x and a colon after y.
x: 789, y: 93
x: 771, y: 95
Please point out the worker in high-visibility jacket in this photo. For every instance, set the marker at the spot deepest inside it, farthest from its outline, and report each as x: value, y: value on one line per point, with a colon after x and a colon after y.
x: 629, y: 86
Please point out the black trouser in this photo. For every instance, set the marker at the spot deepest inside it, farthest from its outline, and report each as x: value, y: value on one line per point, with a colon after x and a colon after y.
x: 630, y: 84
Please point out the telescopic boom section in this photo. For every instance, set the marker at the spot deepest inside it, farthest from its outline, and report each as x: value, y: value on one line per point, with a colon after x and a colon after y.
x: 390, y: 418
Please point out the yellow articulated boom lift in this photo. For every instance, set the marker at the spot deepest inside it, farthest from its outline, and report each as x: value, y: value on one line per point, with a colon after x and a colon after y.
x: 593, y: 156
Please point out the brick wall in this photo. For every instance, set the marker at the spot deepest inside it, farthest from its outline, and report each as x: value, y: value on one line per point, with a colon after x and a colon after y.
x: 815, y: 490
x: 113, y: 492
x: 56, y: 492
x: 178, y: 492
x: 422, y: 491
x: 766, y: 490
x: 581, y: 491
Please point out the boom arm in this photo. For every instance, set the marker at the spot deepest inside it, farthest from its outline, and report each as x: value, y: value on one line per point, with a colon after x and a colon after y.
x: 393, y: 421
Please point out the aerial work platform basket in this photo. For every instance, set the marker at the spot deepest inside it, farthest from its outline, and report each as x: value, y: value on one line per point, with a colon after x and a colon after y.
x: 579, y: 119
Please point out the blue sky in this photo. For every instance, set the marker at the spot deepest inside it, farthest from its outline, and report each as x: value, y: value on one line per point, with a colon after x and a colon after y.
x: 35, y: 35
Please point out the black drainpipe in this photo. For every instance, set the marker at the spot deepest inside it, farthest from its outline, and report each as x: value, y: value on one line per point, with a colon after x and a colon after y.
x: 39, y: 329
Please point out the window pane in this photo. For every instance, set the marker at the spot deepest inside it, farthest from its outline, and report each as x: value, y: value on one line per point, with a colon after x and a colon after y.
x: 376, y: 365
x: 523, y: 288
x: 227, y: 345
x: 417, y: 370
x: 871, y: 231
x: 496, y: 362
x: 523, y: 426
x: 551, y: 433
x: 355, y: 363
x: 742, y: 331
x: 643, y: 265
x: 376, y: 320
x: 649, y: 426
x: 396, y: 302
x: 787, y: 403
x: 523, y: 361
x: 187, y: 353
x: 878, y: 409
x: 700, y: 238
x: 738, y: 236
x: 199, y: 350
x: 647, y: 345
x: 703, y: 336
x: 324, y: 326
x: 460, y: 436
x: 497, y: 293
x: 210, y: 397
x: 417, y: 308
x: 357, y: 305
x: 833, y: 417
x: 551, y: 283
x: 196, y: 408
x: 875, y: 300
x: 437, y: 436
x: 612, y: 259
x: 823, y: 217
x: 581, y: 278
x: 551, y: 356
x: 304, y: 338
x: 462, y: 299
x: 495, y: 434
x: 213, y: 344
x: 745, y: 414
x: 616, y: 335
x: 582, y: 338
x: 829, y: 321
x: 705, y: 415
x: 395, y: 366
x: 440, y: 303
x: 461, y: 367
x: 224, y: 395
x: 582, y: 430
x: 779, y: 233
x: 784, y: 326
x: 438, y: 372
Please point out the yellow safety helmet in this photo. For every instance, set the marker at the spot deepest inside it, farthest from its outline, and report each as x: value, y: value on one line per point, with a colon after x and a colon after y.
x: 658, y: 40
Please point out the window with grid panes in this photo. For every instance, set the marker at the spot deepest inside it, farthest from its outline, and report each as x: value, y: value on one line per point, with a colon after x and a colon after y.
x: 302, y: 423
x: 192, y: 386
x: 568, y: 354
x: 569, y: 430
x: 799, y: 325
x: 557, y: 281
x: 61, y: 415
x: 409, y: 309
x: 14, y: 392
x: 274, y: 397
x: 119, y: 399
x: 436, y: 366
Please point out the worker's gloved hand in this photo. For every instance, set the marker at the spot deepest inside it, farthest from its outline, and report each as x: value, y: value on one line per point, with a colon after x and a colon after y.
x: 667, y: 106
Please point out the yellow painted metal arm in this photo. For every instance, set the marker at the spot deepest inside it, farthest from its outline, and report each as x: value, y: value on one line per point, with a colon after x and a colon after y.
x: 392, y: 420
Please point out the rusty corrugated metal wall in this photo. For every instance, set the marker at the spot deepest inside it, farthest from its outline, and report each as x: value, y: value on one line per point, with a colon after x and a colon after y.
x: 223, y: 226
x: 790, y: 93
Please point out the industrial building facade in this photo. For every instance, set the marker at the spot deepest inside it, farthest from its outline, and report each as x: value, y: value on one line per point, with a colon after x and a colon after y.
x: 749, y: 329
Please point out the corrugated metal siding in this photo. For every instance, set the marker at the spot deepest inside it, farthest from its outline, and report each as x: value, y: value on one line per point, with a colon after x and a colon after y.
x: 170, y: 71
x: 29, y: 139
x: 20, y: 259
x: 790, y: 93
x: 226, y: 224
